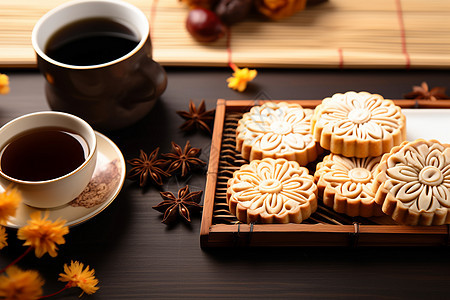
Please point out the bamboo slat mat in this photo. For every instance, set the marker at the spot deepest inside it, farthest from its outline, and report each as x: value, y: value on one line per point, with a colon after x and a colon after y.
x: 337, y: 33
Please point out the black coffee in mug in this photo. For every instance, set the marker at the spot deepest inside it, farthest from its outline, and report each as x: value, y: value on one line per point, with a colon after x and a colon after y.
x: 110, y: 84
x: 43, y: 154
x: 91, y: 41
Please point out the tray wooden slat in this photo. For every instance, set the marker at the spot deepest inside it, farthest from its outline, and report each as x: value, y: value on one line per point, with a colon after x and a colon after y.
x: 325, y: 227
x: 320, y: 235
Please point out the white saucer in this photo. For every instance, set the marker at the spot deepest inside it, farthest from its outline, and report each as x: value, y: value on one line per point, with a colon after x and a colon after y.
x: 105, y: 185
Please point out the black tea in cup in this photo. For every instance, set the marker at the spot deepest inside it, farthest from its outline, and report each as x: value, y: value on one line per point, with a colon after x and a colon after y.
x: 43, y: 154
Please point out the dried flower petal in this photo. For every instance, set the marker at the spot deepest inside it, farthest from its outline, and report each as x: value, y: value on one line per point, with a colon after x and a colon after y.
x: 9, y: 201
x: 279, y: 9
x: 4, y: 84
x: 240, y: 78
x: 19, y: 284
x: 76, y: 276
x: 43, y: 234
x: 3, y: 237
x: 179, y: 206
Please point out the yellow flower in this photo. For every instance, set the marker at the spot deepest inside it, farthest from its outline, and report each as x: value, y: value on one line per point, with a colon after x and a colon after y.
x: 4, y: 84
x: 43, y: 234
x: 9, y: 201
x: 19, y: 284
x: 3, y: 237
x: 74, y: 275
x: 240, y: 78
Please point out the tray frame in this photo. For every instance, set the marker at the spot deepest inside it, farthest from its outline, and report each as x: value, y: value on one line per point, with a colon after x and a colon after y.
x: 294, y: 235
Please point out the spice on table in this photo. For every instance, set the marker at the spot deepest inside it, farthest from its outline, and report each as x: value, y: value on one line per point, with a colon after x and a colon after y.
x: 148, y: 166
x: 184, y: 160
x: 183, y: 205
x: 197, y: 118
x: 422, y: 92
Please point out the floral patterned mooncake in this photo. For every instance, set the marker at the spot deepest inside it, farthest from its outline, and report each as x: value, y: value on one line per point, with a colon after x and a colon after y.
x: 345, y: 184
x: 272, y: 191
x: 412, y: 183
x: 358, y: 124
x: 277, y: 130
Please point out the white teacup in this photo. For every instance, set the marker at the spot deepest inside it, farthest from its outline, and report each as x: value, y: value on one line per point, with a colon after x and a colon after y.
x: 57, y: 191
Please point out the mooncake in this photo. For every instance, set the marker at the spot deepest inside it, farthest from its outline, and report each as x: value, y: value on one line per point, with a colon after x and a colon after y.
x: 277, y: 130
x: 345, y: 184
x: 358, y: 124
x: 272, y: 191
x: 412, y: 183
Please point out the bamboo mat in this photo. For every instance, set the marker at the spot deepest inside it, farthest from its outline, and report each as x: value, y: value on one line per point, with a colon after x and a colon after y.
x: 336, y: 34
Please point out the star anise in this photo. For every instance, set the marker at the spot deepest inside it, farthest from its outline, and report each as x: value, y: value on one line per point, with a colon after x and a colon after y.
x: 148, y: 166
x: 423, y: 92
x: 183, y: 160
x: 183, y: 205
x: 197, y: 118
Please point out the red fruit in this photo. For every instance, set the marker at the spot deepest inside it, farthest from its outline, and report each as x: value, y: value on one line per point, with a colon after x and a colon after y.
x: 204, y: 25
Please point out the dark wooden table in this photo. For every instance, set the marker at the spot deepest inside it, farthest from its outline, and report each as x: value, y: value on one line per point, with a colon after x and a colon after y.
x: 135, y: 256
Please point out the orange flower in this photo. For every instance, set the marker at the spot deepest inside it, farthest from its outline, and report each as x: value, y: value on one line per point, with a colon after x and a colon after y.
x: 4, y: 84
x: 9, y: 201
x: 74, y: 275
x: 240, y: 78
x: 3, y: 237
x: 18, y: 284
x: 43, y: 234
x: 279, y: 9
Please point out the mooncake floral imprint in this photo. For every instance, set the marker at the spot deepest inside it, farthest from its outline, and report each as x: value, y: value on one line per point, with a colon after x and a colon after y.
x: 413, y: 183
x: 358, y: 124
x: 277, y: 130
x: 272, y: 191
x: 345, y: 184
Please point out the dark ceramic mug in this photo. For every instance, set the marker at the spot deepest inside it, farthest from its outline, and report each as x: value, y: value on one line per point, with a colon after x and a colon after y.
x: 109, y: 95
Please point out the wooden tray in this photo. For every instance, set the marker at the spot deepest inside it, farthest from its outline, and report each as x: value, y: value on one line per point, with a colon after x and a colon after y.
x: 325, y: 228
